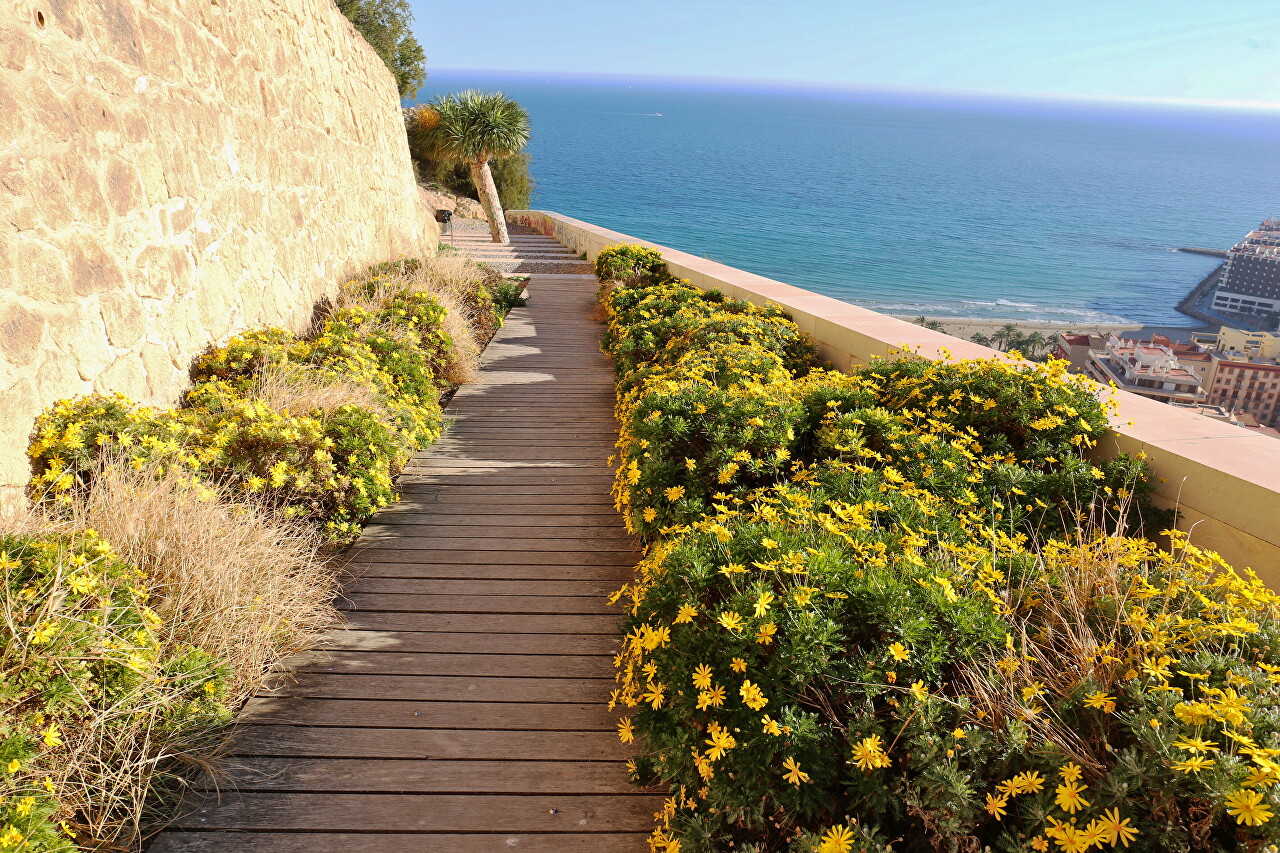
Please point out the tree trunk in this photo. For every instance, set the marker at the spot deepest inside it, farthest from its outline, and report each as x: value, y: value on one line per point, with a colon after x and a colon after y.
x: 482, y: 177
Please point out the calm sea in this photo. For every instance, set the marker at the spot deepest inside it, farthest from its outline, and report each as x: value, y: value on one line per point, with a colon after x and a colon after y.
x: 951, y: 208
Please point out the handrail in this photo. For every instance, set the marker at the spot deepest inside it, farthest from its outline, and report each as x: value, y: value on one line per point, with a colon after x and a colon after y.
x: 1223, y: 480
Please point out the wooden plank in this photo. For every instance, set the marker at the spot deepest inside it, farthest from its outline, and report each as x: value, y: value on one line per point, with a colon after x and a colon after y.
x: 480, y: 540
x: 418, y: 602
x: 454, y: 664
x: 614, y: 575
x: 517, y: 561
x: 424, y: 812
x: 366, y: 842
x: 473, y: 643
x: 335, y: 775
x: 415, y: 714
x: 451, y: 586
x: 470, y: 688
x: 483, y: 623
x: 316, y: 742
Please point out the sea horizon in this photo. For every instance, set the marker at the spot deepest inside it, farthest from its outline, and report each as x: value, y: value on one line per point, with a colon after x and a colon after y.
x: 950, y: 205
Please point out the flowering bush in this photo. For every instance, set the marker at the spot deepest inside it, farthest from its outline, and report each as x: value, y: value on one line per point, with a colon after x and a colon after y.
x: 317, y: 458
x: 85, y: 664
x: 901, y: 608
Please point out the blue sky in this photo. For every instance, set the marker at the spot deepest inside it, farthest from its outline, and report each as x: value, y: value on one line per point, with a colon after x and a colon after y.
x: 1183, y: 50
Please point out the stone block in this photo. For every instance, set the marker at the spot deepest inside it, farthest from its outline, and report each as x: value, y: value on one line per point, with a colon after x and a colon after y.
x: 21, y: 333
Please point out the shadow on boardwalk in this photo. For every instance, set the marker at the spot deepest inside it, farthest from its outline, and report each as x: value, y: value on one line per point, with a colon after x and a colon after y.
x: 462, y: 706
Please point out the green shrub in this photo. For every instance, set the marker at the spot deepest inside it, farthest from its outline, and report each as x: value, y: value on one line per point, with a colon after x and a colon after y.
x: 345, y: 408
x: 85, y: 664
x: 511, y: 175
x: 630, y: 265
x: 916, y: 614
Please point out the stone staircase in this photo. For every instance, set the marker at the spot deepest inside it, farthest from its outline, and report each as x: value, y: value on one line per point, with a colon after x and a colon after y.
x: 528, y: 252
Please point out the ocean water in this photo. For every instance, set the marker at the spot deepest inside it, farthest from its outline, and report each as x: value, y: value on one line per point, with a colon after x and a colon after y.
x: 957, y: 207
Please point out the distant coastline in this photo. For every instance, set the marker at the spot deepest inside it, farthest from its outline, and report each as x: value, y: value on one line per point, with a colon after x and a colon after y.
x: 966, y: 328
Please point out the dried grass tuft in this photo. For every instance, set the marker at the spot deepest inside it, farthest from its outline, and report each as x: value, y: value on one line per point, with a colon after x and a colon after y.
x: 296, y: 389
x: 224, y: 577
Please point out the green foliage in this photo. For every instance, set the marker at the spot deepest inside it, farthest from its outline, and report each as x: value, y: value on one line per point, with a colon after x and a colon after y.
x: 468, y: 127
x: 510, y: 174
x: 630, y: 265
x: 904, y: 603
x: 82, y: 650
x: 387, y: 25
x: 328, y: 460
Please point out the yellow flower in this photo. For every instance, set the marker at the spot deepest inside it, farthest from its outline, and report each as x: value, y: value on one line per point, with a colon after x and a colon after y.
x: 1101, y: 701
x: 1070, y: 772
x: 995, y: 806
x: 1118, y: 831
x: 762, y: 603
x: 1195, y: 745
x: 52, y: 737
x: 766, y: 633
x: 720, y: 742
x: 675, y: 493
x: 1194, y: 764
x: 686, y: 614
x: 919, y: 691
x: 1040, y: 844
x: 13, y: 766
x: 654, y: 694
x: 752, y: 696
x: 770, y: 726
x: 649, y: 513
x: 626, y: 731
x: 899, y: 652
x: 702, y: 676
x: 1067, y: 796
x: 730, y: 620
x: 11, y: 837
x: 794, y: 774
x: 868, y: 754
x: 1247, y: 808
x: 1029, y: 782
x: 25, y: 804
x: 738, y: 665
x: 837, y: 839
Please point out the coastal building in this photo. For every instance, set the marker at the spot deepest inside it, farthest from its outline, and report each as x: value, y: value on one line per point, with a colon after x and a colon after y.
x: 1074, y: 347
x: 1246, y: 374
x: 1150, y: 368
x: 1250, y: 282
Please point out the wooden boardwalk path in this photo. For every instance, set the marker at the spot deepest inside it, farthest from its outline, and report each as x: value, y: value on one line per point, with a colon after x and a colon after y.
x: 462, y: 708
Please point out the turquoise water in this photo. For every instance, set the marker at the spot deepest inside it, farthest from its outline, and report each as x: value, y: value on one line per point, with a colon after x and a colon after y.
x: 951, y: 208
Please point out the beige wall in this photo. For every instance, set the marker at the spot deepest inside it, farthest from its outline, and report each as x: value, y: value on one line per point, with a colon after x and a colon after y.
x: 173, y: 172
x: 1224, y: 480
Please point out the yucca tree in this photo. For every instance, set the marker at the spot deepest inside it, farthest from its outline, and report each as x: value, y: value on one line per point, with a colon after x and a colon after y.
x: 472, y: 127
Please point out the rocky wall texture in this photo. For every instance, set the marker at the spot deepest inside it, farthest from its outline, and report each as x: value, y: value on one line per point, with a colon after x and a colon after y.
x: 173, y: 172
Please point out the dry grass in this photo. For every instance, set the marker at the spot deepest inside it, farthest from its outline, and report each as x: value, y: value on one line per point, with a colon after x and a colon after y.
x: 296, y: 389
x: 452, y: 280
x: 224, y: 577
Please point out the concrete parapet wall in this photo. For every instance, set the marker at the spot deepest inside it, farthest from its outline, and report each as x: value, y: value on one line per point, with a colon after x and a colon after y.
x: 174, y: 172
x: 1223, y: 480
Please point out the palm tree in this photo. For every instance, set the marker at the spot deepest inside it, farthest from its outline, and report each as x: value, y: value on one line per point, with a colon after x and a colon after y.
x: 1006, y: 336
x: 1034, y: 344
x: 473, y: 128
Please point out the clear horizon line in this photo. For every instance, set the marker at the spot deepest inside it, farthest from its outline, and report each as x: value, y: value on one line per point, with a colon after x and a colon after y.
x: 891, y: 89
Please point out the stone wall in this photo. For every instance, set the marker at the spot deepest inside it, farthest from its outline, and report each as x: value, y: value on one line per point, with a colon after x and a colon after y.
x: 173, y: 172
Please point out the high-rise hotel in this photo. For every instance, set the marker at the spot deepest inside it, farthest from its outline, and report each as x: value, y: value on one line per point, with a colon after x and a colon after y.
x: 1250, y: 283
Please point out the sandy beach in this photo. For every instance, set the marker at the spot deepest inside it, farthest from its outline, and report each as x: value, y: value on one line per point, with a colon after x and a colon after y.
x: 963, y: 327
